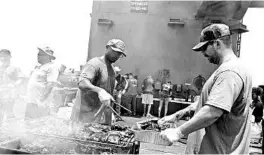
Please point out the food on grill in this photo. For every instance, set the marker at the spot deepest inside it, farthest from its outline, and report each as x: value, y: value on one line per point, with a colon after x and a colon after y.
x: 103, y: 133
x: 115, y: 139
x: 54, y: 135
x: 119, y: 127
x: 152, y: 124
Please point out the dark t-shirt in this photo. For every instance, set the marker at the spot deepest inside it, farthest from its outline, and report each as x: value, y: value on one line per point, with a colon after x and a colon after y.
x: 148, y: 86
x: 258, y: 109
x: 132, y: 87
x: 87, y: 102
x: 165, y: 91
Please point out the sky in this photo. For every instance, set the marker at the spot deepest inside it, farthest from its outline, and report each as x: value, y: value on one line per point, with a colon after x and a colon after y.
x: 252, y: 52
x: 64, y: 26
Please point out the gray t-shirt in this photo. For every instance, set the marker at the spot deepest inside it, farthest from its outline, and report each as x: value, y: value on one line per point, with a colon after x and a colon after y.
x: 228, y: 88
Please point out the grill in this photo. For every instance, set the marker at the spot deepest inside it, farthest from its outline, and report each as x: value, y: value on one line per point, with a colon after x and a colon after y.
x: 54, y: 135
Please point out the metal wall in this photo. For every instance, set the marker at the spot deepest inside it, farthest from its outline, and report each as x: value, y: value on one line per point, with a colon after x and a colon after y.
x: 152, y: 44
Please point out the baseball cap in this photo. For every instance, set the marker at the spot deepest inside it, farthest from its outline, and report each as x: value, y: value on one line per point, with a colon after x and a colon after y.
x: 5, y: 53
x: 117, y: 45
x: 212, y: 32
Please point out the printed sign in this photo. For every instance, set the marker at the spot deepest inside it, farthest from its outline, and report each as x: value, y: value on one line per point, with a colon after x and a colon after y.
x: 139, y: 6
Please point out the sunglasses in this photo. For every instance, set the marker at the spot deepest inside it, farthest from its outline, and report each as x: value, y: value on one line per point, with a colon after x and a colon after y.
x: 204, y: 47
x: 121, y: 55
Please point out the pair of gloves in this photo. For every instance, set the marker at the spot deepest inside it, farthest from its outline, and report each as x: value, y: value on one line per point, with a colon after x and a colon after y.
x: 171, y: 134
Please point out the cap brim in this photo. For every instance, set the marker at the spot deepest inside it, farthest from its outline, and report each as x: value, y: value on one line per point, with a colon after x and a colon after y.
x: 198, y: 47
x: 52, y: 57
x: 118, y: 50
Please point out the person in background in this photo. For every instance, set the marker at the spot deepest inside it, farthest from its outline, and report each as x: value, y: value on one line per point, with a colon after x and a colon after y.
x: 126, y: 75
x: 147, y: 95
x: 120, y: 88
x: 81, y: 67
x: 96, y: 86
x: 223, y: 109
x: 62, y: 69
x: 257, y: 104
x: 59, y: 95
x: 42, y: 81
x: 129, y: 99
x: 11, y: 80
x: 165, y: 94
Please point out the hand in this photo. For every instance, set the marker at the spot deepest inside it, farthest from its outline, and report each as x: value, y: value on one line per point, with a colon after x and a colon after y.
x: 43, y: 98
x: 123, y: 92
x: 171, y: 118
x: 105, y: 96
x: 107, y: 103
x: 172, y: 134
x: 119, y: 95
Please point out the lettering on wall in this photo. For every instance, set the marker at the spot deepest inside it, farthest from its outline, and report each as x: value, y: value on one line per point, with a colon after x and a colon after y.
x: 139, y: 6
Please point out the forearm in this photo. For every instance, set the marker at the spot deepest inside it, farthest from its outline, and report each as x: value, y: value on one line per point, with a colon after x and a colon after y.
x: 184, y: 111
x: 203, y: 118
x: 87, y: 85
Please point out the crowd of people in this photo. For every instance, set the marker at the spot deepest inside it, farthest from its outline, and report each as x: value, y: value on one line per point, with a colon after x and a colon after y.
x: 38, y: 90
x: 127, y: 92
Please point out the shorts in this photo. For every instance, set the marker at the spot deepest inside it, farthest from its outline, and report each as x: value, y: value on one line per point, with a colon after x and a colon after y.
x: 165, y: 99
x: 164, y: 95
x: 147, y: 99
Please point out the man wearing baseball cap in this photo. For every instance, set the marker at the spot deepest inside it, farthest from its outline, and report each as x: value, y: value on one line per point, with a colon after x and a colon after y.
x: 11, y: 80
x: 96, y: 85
x: 42, y: 83
x: 223, y: 108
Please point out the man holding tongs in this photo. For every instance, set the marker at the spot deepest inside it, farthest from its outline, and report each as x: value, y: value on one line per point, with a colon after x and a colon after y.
x: 96, y: 85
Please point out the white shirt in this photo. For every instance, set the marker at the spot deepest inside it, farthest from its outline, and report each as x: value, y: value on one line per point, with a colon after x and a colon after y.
x: 38, y: 81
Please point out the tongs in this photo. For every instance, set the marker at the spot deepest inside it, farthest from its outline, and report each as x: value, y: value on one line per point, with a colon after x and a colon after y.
x: 102, y: 109
x: 116, y: 113
x: 122, y: 107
